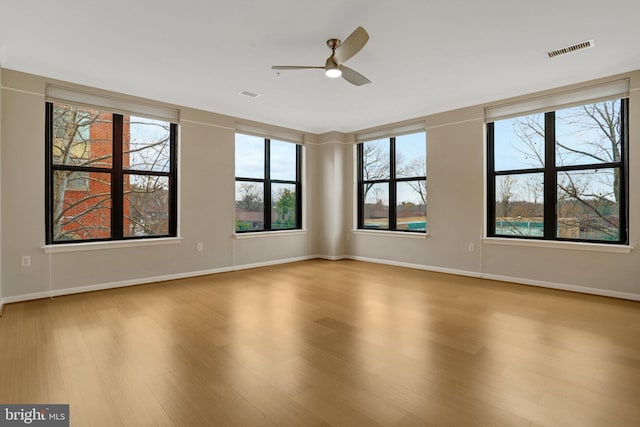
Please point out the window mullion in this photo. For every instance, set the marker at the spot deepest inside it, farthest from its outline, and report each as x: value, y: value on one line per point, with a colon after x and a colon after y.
x: 117, y: 179
x: 360, y: 187
x: 491, y: 182
x: 173, y: 181
x: 623, y: 181
x: 550, y: 177
x: 393, y: 221
x: 49, y: 172
x: 267, y: 184
x: 298, y: 186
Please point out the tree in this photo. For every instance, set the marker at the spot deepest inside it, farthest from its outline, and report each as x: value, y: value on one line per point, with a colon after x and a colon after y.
x: 505, y: 193
x: 250, y: 198
x: 590, y: 134
x: 285, y: 209
x: 78, y: 217
x: 416, y: 167
x: 82, y: 138
x: 375, y: 164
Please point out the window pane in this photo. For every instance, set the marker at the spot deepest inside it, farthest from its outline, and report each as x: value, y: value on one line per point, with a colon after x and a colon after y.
x: 588, y: 204
x: 146, y: 144
x: 145, y: 205
x: 81, y: 137
x: 411, y: 155
x: 375, y: 160
x: 249, y: 156
x: 519, y: 205
x: 376, y: 205
x: 589, y: 134
x: 81, y: 212
x: 283, y: 160
x: 283, y: 206
x: 249, y: 206
x: 411, y: 210
x: 519, y: 143
x: 77, y: 180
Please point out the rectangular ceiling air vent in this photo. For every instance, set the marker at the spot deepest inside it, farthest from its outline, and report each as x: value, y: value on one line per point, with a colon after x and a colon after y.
x: 575, y: 47
x: 249, y: 94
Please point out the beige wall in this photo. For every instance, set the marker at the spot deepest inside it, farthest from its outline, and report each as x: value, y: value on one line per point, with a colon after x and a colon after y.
x: 455, y: 168
x: 206, y: 211
x: 455, y: 210
x: 0, y: 193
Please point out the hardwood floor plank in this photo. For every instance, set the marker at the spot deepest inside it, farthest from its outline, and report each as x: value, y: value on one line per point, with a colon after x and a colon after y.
x: 321, y: 343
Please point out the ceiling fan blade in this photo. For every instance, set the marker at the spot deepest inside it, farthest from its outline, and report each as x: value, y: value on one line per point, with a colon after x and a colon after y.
x: 351, y: 45
x: 353, y: 77
x: 292, y: 67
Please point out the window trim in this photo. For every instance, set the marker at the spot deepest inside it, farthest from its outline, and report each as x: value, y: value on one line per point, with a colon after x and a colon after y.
x: 550, y: 171
x: 117, y: 172
x: 267, y: 183
x: 392, y: 181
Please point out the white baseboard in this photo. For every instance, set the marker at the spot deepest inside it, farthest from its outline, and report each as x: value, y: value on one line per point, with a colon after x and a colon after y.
x: 270, y: 263
x: 518, y: 280
x: 112, y: 285
x: 332, y: 257
x: 564, y: 287
x: 417, y: 266
x: 146, y: 280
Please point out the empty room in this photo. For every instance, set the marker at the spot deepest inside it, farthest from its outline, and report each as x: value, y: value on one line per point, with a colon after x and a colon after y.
x: 293, y: 213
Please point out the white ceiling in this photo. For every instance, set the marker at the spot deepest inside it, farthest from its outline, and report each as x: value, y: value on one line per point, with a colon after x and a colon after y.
x: 423, y: 57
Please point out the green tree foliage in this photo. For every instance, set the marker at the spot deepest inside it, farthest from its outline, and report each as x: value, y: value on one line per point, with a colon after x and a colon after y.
x: 285, y: 209
x: 250, y: 198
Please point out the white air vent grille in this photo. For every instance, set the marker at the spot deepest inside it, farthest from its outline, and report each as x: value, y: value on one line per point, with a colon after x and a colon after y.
x: 249, y: 94
x: 575, y: 47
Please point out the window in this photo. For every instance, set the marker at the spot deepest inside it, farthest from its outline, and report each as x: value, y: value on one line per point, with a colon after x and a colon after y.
x: 560, y: 175
x: 392, y: 183
x: 109, y: 176
x: 268, y: 195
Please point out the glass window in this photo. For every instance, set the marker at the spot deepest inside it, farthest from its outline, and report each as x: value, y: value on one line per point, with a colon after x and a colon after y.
x: 267, y: 184
x: 283, y: 206
x: 147, y: 144
x: 249, y: 156
x: 376, y: 206
x: 519, y: 143
x: 392, y: 183
x: 282, y: 156
x: 81, y: 137
x: 560, y: 175
x: 95, y: 194
x: 249, y: 206
x: 81, y: 214
x: 146, y: 205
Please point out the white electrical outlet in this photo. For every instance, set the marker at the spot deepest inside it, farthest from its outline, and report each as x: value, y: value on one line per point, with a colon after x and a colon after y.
x: 199, y: 247
x: 25, y: 261
x: 472, y: 247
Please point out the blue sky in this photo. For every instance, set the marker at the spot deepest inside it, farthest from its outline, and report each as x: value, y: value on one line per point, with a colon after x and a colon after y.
x: 250, y: 158
x: 573, y: 130
x: 249, y: 155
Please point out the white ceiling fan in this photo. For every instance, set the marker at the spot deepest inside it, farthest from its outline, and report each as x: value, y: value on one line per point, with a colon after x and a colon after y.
x: 340, y: 53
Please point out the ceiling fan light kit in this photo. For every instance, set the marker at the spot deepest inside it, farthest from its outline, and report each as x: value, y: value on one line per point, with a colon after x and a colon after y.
x: 340, y: 53
x: 333, y: 72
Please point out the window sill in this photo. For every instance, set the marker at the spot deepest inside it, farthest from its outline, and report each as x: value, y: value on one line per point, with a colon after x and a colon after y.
x: 271, y: 233
x: 116, y: 244
x: 405, y: 234
x: 578, y: 246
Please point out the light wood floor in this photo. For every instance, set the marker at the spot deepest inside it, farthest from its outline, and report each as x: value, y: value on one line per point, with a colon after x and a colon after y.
x: 321, y: 343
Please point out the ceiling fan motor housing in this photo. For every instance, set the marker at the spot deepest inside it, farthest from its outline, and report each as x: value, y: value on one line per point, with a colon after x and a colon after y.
x: 334, y: 43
